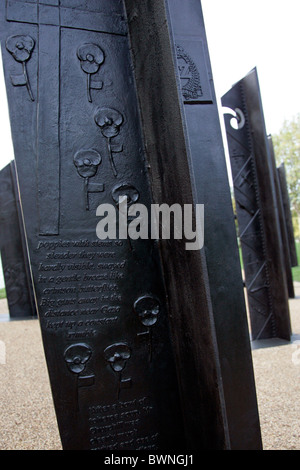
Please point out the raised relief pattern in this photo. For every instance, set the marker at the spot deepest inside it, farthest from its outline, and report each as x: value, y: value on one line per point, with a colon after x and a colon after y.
x: 21, y: 47
x: 117, y: 356
x: 87, y: 162
x: 125, y: 190
x: 76, y: 358
x: 125, y: 193
x: 189, y: 76
x: 147, y: 309
x: 110, y: 120
x: 91, y: 58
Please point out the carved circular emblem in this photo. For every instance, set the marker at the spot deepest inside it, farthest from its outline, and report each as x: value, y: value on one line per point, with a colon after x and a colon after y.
x: 147, y: 308
x: 109, y: 120
x: 189, y: 76
x: 87, y: 162
x: 117, y: 355
x: 91, y: 57
x: 127, y: 190
x: 76, y: 357
x: 20, y: 47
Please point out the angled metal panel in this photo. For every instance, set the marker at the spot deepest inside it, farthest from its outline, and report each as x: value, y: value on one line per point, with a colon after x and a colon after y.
x: 15, y: 262
x: 287, y: 213
x: 256, y: 208
x: 282, y: 223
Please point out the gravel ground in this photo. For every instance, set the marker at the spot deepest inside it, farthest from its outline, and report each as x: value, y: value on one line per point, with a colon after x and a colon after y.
x: 27, y: 418
x: 277, y: 375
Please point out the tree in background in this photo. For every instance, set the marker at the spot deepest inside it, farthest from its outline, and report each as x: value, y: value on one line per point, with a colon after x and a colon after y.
x: 287, y: 150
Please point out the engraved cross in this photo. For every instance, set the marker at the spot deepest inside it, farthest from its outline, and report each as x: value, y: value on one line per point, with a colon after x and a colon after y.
x: 51, y: 16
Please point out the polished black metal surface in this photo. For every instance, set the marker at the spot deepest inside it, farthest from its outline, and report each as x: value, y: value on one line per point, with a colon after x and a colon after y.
x: 287, y: 214
x: 77, y: 137
x: 256, y: 207
x: 212, y: 190
x: 282, y: 223
x: 195, y: 158
x: 15, y: 263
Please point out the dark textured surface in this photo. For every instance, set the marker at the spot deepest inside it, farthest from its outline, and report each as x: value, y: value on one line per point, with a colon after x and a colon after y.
x: 13, y: 248
x: 287, y: 213
x: 282, y: 223
x: 194, y: 162
x: 109, y: 391
x: 256, y: 207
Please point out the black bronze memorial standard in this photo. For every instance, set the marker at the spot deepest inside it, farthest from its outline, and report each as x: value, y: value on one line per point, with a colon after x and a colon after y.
x: 287, y: 213
x: 256, y: 207
x: 15, y: 264
x: 146, y: 343
x: 282, y: 223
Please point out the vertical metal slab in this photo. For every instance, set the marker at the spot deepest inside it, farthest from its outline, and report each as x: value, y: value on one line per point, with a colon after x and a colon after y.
x: 287, y: 213
x: 256, y: 207
x: 102, y: 304
x: 282, y: 224
x: 16, y: 270
x: 195, y: 157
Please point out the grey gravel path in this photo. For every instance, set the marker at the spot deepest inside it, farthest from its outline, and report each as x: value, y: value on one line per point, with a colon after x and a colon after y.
x: 27, y: 418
